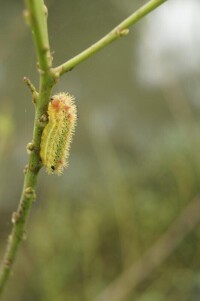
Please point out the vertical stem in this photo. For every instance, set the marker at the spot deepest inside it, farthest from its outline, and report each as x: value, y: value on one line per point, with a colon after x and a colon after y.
x: 37, y: 17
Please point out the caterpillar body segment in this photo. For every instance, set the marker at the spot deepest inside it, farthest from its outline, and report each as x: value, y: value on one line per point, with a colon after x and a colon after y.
x: 57, y: 134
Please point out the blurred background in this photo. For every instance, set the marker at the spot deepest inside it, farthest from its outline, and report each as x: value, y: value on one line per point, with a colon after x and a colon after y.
x: 122, y: 222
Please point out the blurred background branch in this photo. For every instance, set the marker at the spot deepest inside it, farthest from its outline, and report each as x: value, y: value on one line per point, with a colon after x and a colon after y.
x: 155, y: 256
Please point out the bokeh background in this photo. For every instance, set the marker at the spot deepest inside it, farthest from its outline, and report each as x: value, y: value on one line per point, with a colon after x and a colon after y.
x: 121, y: 223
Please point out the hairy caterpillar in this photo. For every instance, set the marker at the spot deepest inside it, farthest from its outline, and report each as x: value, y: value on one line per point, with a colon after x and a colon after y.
x: 57, y: 134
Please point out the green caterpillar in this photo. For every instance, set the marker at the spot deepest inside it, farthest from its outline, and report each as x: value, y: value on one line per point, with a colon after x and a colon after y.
x: 57, y: 134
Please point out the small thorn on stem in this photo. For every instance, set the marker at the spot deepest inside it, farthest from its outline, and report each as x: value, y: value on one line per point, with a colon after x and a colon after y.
x: 30, y: 147
x: 29, y: 193
x: 32, y: 89
x: 41, y: 72
x: 45, y: 11
x: 27, y: 18
x: 15, y: 217
x: 43, y: 120
x: 25, y: 170
x: 122, y: 32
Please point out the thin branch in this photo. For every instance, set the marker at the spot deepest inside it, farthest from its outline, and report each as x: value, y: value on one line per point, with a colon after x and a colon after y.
x: 37, y: 15
x: 119, y: 31
x: 121, y: 287
x: 33, y: 90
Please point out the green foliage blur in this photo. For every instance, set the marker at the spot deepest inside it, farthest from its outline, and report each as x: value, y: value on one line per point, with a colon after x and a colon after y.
x: 134, y: 162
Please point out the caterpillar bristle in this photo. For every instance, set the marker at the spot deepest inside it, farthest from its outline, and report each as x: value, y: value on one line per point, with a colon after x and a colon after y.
x: 57, y: 134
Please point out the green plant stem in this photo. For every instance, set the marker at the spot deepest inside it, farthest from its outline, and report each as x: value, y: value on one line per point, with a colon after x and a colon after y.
x: 38, y: 23
x: 119, y: 31
x: 36, y: 15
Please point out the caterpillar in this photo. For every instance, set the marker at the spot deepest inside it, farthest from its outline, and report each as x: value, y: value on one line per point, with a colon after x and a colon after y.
x: 57, y: 134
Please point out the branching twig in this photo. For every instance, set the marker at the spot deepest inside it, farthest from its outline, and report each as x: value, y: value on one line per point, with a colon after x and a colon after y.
x: 36, y: 15
x: 33, y: 90
x: 119, y: 31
